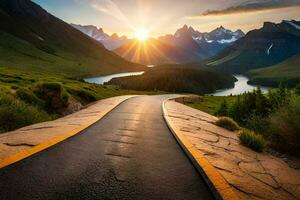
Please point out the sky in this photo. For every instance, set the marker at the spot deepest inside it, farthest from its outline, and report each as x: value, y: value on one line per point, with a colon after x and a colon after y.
x: 162, y: 17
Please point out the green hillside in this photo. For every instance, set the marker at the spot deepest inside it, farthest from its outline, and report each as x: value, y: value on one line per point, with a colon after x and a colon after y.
x: 28, y: 97
x: 33, y: 40
x: 287, y: 73
x: 265, y: 47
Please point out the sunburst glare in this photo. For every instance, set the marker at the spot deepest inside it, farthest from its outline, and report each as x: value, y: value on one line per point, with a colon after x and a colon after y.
x: 142, y: 34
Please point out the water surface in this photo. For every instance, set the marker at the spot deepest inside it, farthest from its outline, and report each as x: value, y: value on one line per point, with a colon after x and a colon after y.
x: 103, y: 79
x: 240, y: 87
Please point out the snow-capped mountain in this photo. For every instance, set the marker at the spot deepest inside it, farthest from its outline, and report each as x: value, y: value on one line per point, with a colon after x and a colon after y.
x: 267, y: 46
x: 204, y: 44
x: 110, y: 42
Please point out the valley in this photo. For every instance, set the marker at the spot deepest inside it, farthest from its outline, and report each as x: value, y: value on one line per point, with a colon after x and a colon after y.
x: 121, y: 99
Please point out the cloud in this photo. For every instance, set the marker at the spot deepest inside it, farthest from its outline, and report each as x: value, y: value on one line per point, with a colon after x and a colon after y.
x: 251, y: 6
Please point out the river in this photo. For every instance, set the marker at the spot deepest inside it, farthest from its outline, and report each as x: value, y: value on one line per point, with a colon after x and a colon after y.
x: 103, y: 79
x: 240, y: 87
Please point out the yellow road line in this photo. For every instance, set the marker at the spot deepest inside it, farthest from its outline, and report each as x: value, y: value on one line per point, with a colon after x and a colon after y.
x: 217, y: 183
x: 29, y: 152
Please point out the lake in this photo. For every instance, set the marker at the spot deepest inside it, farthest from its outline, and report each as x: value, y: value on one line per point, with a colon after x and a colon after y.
x: 103, y: 79
x: 240, y: 87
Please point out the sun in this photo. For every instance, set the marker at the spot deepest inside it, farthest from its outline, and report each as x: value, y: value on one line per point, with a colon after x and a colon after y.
x: 142, y: 34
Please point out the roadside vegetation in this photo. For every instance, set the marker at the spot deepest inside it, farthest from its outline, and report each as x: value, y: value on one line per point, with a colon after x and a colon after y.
x: 189, y: 78
x: 252, y: 140
x: 273, y: 117
x: 28, y: 98
x: 268, y: 120
x: 212, y: 104
x: 228, y: 124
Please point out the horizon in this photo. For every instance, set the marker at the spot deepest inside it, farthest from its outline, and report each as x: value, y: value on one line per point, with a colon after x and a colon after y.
x: 129, y: 17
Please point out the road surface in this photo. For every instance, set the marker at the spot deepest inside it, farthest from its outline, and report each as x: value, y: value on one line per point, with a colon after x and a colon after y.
x: 129, y: 154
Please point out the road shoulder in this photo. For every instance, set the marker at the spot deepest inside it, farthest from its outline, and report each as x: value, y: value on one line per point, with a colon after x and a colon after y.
x: 232, y: 170
x: 24, y: 142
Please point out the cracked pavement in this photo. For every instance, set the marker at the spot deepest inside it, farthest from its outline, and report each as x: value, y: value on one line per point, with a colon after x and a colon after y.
x: 129, y: 154
x: 255, y: 176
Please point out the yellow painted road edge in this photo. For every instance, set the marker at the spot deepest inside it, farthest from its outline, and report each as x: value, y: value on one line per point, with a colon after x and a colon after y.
x: 216, y: 182
x: 29, y: 152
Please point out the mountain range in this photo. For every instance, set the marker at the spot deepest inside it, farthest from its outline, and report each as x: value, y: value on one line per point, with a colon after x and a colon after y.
x: 31, y: 39
x: 110, y: 42
x: 155, y: 52
x: 205, y: 45
x: 173, y: 48
x: 267, y: 46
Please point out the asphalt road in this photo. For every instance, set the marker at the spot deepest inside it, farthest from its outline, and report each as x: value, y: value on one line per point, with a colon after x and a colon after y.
x: 129, y: 154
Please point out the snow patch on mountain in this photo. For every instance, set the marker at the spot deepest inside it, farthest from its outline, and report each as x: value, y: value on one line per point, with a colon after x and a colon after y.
x: 293, y: 24
x: 224, y: 41
x: 269, y: 49
x: 110, y: 42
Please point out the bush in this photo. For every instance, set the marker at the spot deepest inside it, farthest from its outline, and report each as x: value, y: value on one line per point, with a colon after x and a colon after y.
x: 15, y: 114
x: 28, y: 97
x: 285, y: 127
x: 228, y: 124
x: 54, y: 95
x: 257, y: 123
x: 252, y: 140
x: 82, y: 95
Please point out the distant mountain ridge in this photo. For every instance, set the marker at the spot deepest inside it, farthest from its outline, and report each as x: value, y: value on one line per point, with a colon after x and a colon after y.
x: 31, y: 39
x: 204, y: 44
x: 110, y: 42
x: 267, y: 46
x: 155, y: 52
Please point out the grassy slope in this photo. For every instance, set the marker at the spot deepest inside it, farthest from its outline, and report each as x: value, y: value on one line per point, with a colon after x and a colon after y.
x: 211, y: 104
x: 287, y: 73
x: 33, y: 40
x: 187, y: 78
x: 12, y: 78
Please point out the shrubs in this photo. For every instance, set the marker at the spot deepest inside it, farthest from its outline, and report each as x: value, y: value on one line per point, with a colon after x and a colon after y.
x: 252, y: 140
x: 284, y: 131
x: 16, y: 114
x: 228, y: 124
x: 54, y: 96
x: 83, y: 95
x: 28, y: 97
x: 275, y: 115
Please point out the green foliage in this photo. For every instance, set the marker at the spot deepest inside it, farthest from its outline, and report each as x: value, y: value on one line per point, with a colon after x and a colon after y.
x: 177, y: 79
x: 16, y: 114
x: 211, y: 104
x: 284, y: 131
x: 228, y: 124
x: 29, y: 97
x: 257, y: 104
x: 257, y: 123
x: 252, y: 140
x: 297, y: 89
x: 55, y: 47
x: 275, y: 115
x: 35, y: 96
x: 83, y: 95
x: 287, y: 73
x: 223, y: 110
x: 54, y: 96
